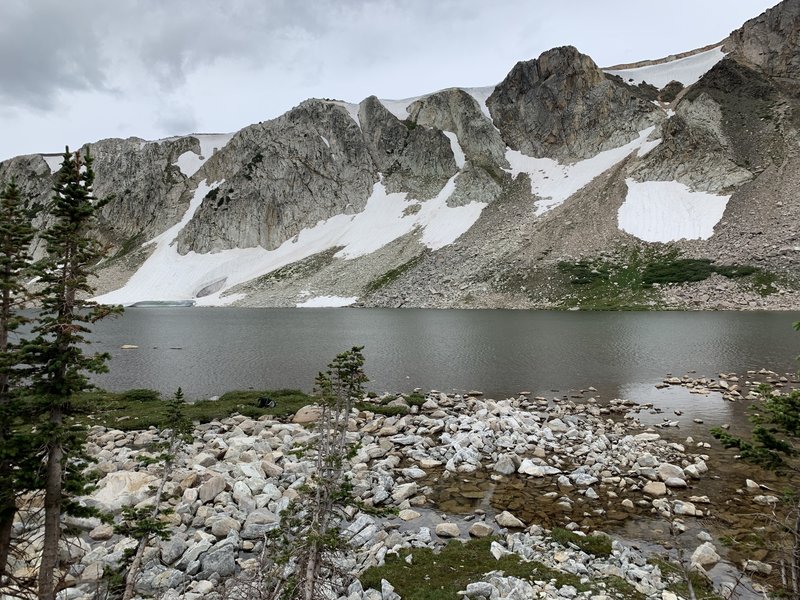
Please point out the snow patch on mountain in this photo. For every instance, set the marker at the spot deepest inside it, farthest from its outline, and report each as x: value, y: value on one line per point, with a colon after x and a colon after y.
x: 481, y: 95
x: 190, y: 162
x: 458, y: 153
x: 668, y: 211
x: 687, y: 70
x: 327, y: 302
x: 352, y: 110
x: 169, y: 276
x: 553, y: 182
x: 53, y: 161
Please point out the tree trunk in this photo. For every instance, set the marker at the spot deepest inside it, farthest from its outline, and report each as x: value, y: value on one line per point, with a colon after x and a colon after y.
x: 8, y: 507
x: 52, y: 511
x: 136, y: 565
x: 6, y: 525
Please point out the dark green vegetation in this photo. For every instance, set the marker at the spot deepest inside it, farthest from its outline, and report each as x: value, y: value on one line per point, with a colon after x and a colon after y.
x: 626, y: 281
x: 140, y: 409
x: 391, y: 275
x: 441, y: 576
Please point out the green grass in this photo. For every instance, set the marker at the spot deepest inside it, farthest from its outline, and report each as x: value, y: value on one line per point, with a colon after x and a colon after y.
x: 140, y: 409
x: 441, y: 576
x: 599, y: 545
x: 382, y: 409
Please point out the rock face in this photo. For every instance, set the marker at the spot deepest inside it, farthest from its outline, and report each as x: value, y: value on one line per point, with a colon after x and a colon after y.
x: 280, y: 177
x: 562, y: 105
x: 771, y: 40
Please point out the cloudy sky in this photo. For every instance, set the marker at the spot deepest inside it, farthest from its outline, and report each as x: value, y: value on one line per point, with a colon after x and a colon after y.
x: 79, y: 71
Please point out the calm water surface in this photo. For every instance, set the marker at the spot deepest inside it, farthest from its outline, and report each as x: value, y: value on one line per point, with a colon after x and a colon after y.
x: 208, y: 351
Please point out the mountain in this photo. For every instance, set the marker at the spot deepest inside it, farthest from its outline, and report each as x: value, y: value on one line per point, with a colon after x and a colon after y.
x: 666, y: 183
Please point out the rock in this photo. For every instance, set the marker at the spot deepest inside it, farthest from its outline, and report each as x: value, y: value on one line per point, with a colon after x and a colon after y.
x: 307, y: 414
x: 211, y: 489
x: 271, y: 469
x: 123, y: 488
x: 752, y: 486
x: 561, y: 105
x: 447, y: 530
x: 557, y: 426
x: 204, y: 459
x: 705, y: 554
x: 528, y: 467
x: 684, y: 508
x: 102, y: 532
x: 479, y: 529
x: 220, y: 560
x: 669, y: 471
x: 408, y: 514
x: 766, y: 500
x: 404, y: 491
x: 257, y: 523
x: 479, y: 589
x: 387, y: 591
x: 173, y: 549
x: 756, y: 566
x: 675, y: 482
x: 223, y: 525
x: 647, y: 460
x: 506, y: 519
x: 655, y: 488
x: 505, y: 465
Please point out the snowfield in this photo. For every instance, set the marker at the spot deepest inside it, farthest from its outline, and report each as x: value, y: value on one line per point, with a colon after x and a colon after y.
x: 668, y: 211
x: 169, y: 276
x: 554, y: 182
x: 328, y: 302
x: 189, y: 162
x: 687, y: 70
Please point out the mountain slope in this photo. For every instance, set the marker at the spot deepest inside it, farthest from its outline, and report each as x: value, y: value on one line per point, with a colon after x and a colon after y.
x: 490, y: 197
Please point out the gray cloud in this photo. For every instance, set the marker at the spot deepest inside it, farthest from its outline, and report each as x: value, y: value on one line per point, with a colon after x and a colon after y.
x: 46, y: 47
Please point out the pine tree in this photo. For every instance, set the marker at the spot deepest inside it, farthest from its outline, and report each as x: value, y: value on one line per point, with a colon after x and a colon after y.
x: 16, y: 235
x: 59, y: 366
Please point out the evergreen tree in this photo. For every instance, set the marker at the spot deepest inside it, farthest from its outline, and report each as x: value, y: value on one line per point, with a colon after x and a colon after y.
x: 59, y: 366
x: 16, y: 235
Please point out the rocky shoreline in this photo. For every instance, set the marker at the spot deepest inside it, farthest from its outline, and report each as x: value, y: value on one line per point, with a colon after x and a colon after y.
x: 590, y: 466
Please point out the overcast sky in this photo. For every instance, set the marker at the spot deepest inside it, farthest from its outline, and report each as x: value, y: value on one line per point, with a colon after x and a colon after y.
x: 83, y: 70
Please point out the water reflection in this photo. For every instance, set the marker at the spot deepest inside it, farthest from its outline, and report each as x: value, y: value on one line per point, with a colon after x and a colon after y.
x: 499, y: 352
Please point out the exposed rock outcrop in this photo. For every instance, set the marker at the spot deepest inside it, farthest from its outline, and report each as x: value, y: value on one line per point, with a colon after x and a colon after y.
x: 771, y: 41
x: 563, y: 106
x: 280, y: 177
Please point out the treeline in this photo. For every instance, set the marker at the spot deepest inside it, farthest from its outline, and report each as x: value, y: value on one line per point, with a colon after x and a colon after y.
x: 42, y: 464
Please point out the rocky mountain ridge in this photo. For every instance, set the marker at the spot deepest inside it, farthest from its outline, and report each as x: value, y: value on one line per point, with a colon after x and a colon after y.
x: 481, y: 197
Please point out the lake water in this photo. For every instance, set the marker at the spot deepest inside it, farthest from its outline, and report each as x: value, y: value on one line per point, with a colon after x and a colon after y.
x: 208, y: 351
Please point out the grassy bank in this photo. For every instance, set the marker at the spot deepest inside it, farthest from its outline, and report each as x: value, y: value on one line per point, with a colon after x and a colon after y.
x: 140, y: 409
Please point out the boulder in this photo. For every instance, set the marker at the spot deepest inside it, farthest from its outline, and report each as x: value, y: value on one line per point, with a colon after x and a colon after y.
x: 307, y: 414
x: 480, y: 530
x: 655, y: 488
x: 506, y: 519
x: 211, y: 489
x: 447, y: 530
x: 705, y: 555
x: 123, y: 488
